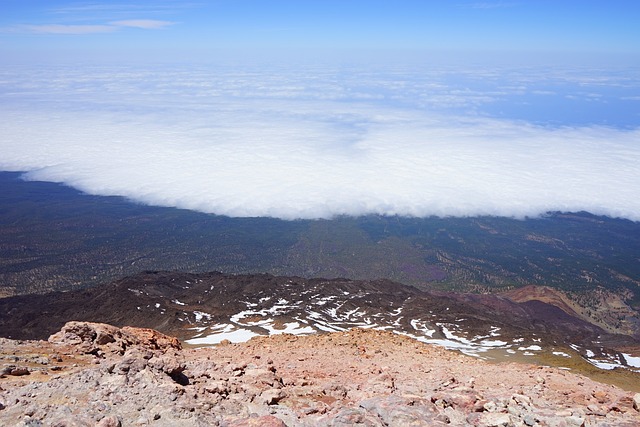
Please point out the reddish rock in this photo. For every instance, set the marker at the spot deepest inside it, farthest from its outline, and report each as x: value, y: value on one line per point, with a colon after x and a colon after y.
x: 263, y: 421
x: 139, y: 377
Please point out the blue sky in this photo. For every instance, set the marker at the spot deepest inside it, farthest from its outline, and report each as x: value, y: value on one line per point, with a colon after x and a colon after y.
x: 35, y: 29
x: 312, y: 109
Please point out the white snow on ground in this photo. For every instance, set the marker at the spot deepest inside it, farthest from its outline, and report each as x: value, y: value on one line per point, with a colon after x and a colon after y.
x: 175, y: 301
x: 237, y: 335
x: 250, y: 304
x: 422, y: 327
x: 325, y: 300
x: 632, y: 360
x: 328, y: 327
x: 330, y: 316
x: 396, y: 312
x: 493, y: 343
x: 201, y: 315
x: 353, y: 312
x: 604, y: 365
x: 451, y: 336
x: 451, y: 340
x: 531, y: 347
x: 290, y: 328
x: 275, y: 310
x: 493, y: 332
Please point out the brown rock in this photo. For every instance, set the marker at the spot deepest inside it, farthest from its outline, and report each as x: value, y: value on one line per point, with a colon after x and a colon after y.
x: 94, y: 337
x: 109, y: 421
x: 263, y: 421
x: 601, y: 396
x: 142, y: 377
x: 272, y: 396
x: 152, y: 339
x: 16, y: 371
x: 463, y: 401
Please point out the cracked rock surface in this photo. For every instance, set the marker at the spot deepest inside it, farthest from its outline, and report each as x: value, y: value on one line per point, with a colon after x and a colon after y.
x: 91, y: 374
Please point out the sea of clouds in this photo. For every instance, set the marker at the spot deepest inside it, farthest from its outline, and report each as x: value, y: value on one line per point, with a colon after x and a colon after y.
x: 320, y: 142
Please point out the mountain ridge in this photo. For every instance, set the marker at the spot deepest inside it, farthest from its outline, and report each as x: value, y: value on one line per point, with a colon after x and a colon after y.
x: 209, y: 308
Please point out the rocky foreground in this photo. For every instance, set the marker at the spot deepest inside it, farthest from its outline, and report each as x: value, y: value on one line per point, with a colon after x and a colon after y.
x: 91, y: 374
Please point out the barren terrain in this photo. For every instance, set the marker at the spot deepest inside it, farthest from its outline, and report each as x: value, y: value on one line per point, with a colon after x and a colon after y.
x: 98, y: 375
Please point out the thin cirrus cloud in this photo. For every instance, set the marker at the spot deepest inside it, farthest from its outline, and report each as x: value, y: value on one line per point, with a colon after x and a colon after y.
x: 65, y: 29
x: 145, y: 24
x: 308, y: 146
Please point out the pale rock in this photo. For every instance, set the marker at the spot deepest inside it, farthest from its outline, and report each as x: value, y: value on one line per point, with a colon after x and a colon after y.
x: 272, y: 396
x: 575, y: 421
x: 109, y: 421
x: 349, y: 417
x: 495, y: 419
x: 217, y: 387
x: 490, y: 406
x: 522, y: 400
x: 261, y: 421
x: 397, y: 411
x: 145, y: 378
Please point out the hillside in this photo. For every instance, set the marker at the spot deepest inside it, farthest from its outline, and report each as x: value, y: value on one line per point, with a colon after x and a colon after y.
x: 54, y: 238
x: 99, y: 375
x: 209, y: 308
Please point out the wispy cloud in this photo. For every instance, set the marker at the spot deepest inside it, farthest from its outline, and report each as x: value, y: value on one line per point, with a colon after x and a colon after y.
x: 65, y: 29
x: 144, y: 24
x: 94, y: 18
x: 153, y: 8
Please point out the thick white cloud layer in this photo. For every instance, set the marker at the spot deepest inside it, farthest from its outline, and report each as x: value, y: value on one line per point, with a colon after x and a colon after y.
x: 290, y: 150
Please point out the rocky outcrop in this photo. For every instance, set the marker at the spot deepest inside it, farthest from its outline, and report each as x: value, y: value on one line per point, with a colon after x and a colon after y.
x: 97, y: 375
x: 98, y: 338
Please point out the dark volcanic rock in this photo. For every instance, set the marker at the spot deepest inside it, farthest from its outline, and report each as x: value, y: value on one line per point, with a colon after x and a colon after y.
x: 192, y: 306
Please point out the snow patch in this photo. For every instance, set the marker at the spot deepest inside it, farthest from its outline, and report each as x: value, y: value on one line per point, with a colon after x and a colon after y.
x: 201, y: 315
x: 237, y: 335
x: 531, y: 347
x: 632, y: 360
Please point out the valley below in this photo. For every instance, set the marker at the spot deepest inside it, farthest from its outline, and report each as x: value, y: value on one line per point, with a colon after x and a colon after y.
x: 529, y: 321
x: 54, y: 238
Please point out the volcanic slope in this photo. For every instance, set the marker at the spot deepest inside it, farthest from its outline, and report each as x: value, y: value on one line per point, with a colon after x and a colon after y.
x: 209, y: 308
x: 92, y: 374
